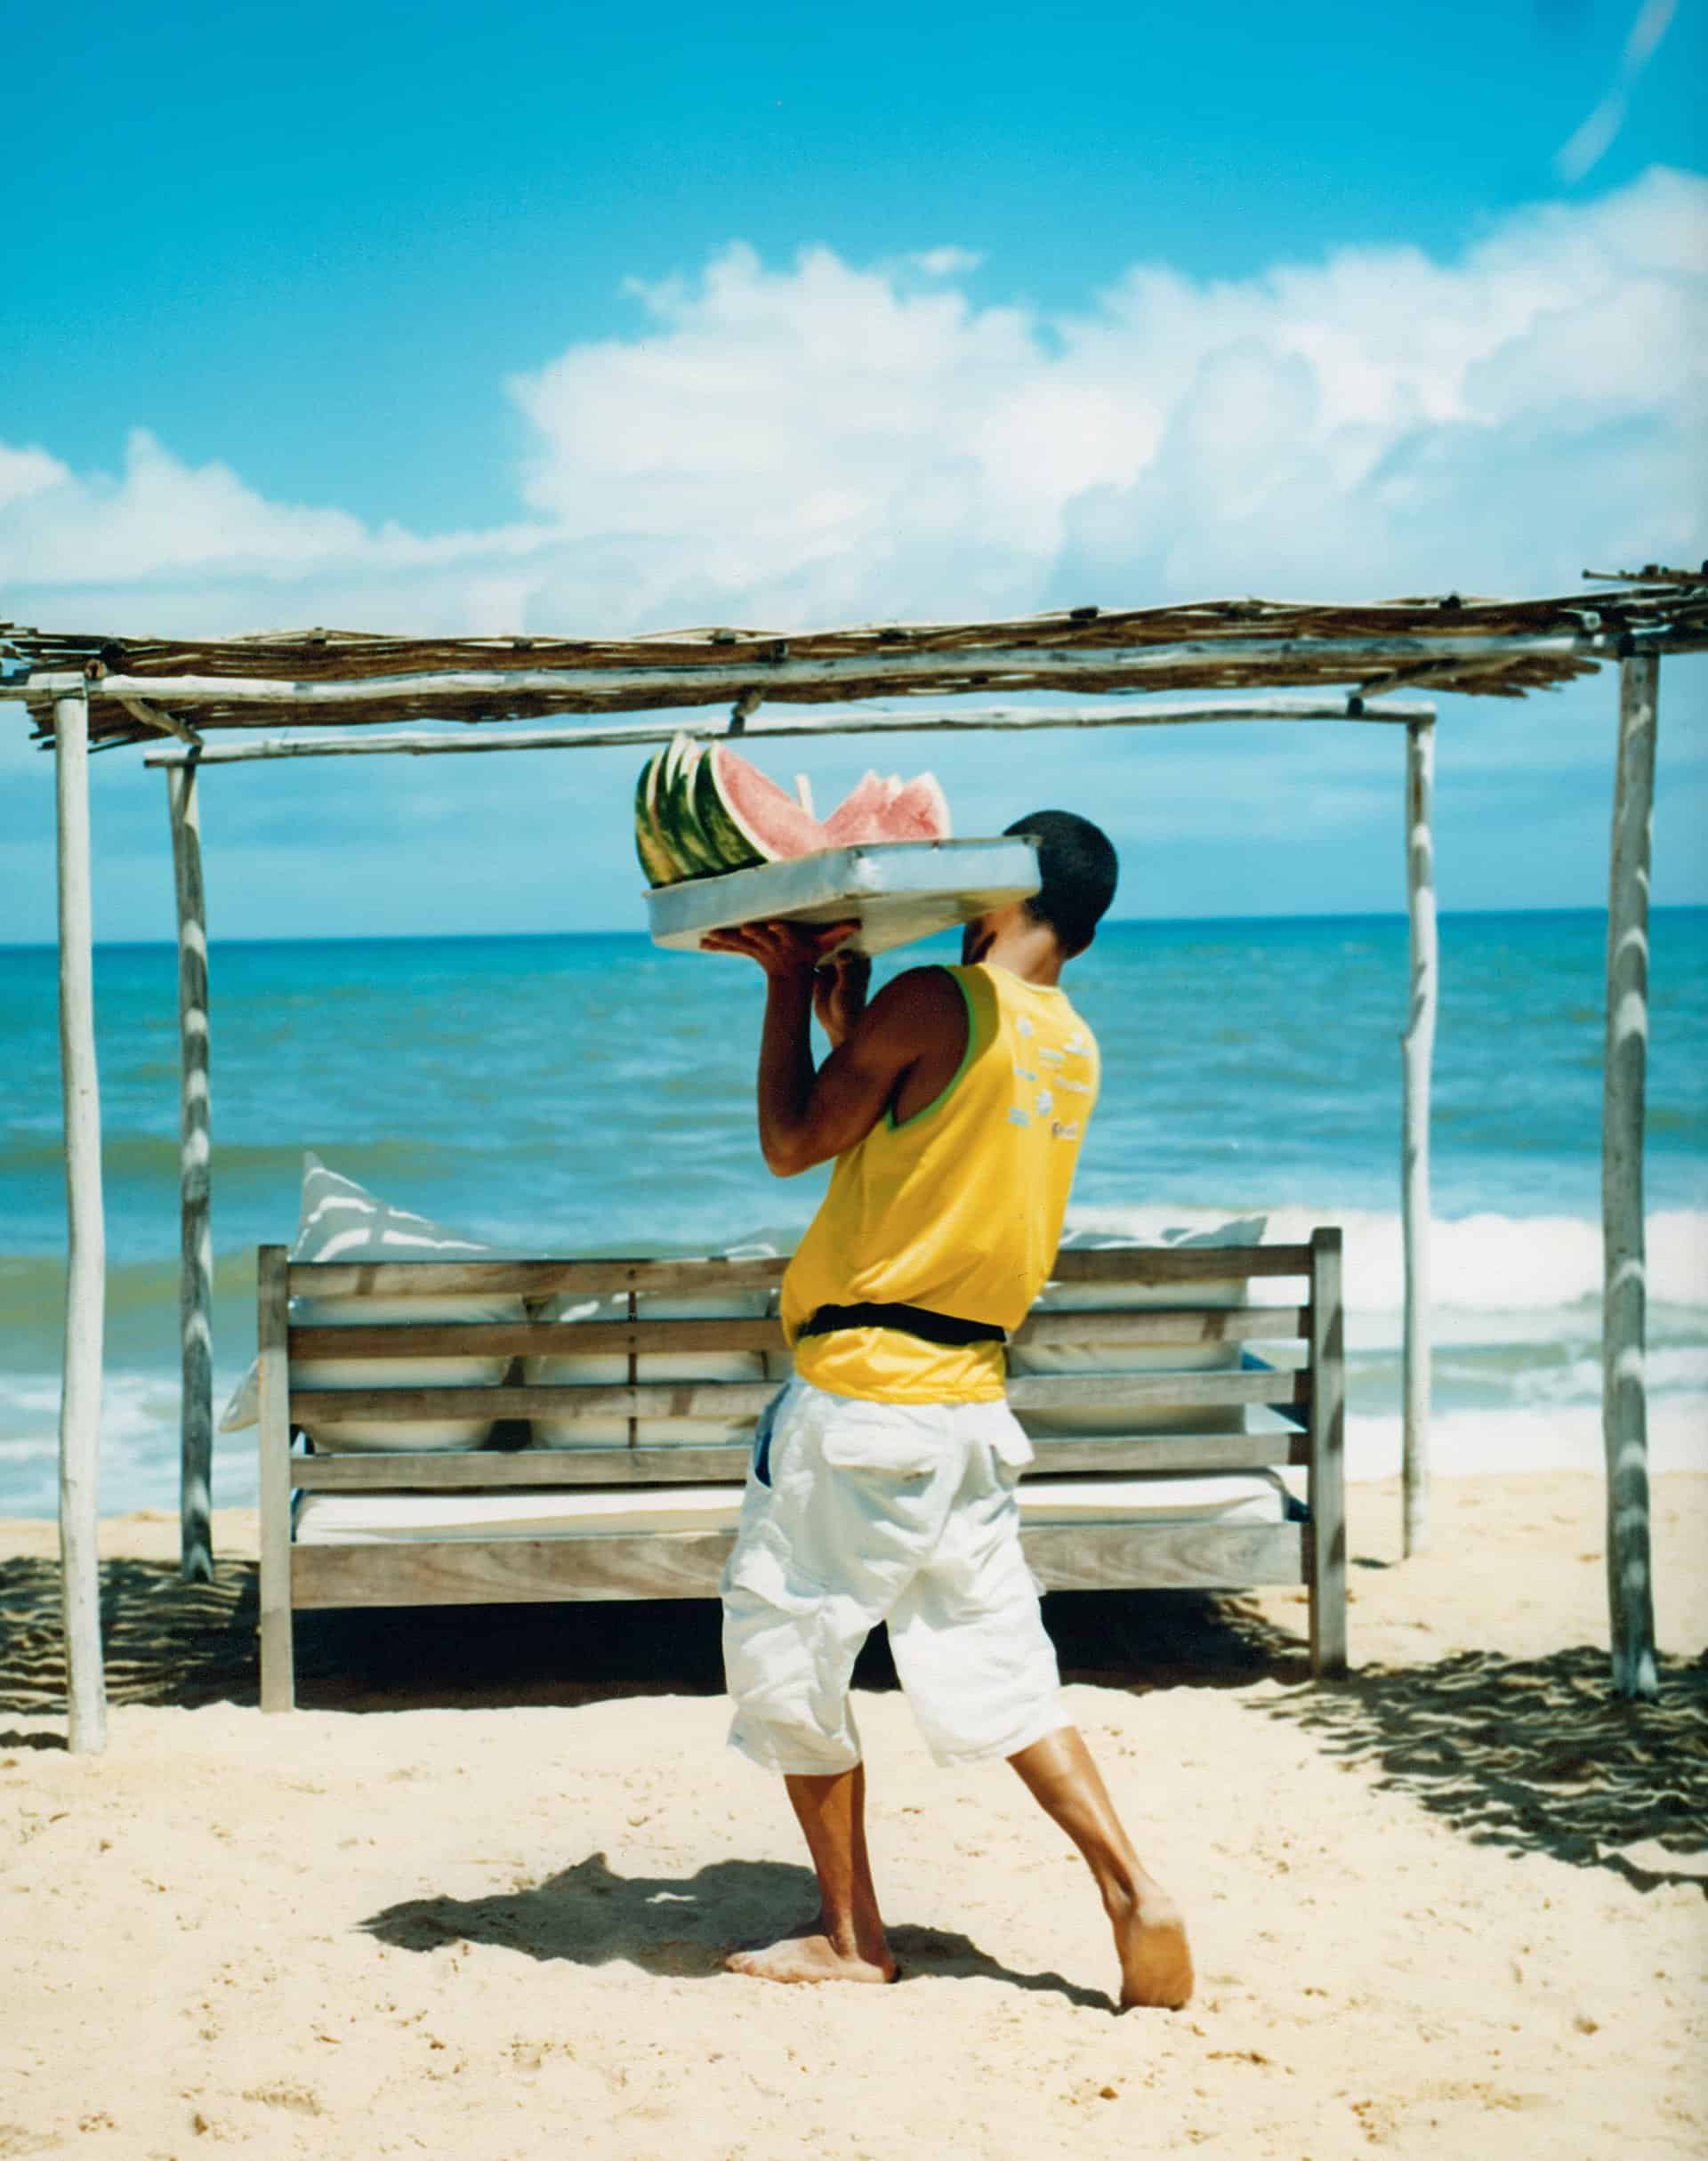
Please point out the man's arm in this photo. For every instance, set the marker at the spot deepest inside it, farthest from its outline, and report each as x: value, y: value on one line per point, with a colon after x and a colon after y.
x: 839, y: 994
x: 807, y: 1115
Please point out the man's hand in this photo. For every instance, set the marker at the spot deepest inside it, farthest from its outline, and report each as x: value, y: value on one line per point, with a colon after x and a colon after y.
x: 782, y: 949
x: 839, y: 992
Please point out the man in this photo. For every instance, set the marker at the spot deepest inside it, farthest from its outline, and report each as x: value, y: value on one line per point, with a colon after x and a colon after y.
x: 884, y: 1487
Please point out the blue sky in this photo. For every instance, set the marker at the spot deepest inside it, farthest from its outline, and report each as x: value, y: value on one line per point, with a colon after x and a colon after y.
x: 559, y: 318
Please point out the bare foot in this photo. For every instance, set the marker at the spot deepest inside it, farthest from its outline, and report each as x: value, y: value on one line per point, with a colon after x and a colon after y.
x: 813, y: 1957
x: 1155, y: 1958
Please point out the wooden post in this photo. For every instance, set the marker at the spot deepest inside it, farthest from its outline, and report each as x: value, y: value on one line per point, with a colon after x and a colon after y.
x: 85, y: 1286
x: 1417, y: 1052
x: 1624, y: 1411
x: 277, y: 1670
x: 1327, y: 1459
x: 195, y: 1261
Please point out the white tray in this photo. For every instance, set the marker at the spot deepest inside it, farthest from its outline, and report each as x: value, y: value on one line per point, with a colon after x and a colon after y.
x: 897, y: 891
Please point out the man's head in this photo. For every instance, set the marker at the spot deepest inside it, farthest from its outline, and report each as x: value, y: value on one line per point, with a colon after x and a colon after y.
x: 1077, y: 870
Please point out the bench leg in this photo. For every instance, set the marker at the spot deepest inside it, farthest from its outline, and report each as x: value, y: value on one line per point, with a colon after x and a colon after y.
x: 277, y: 1660
x: 277, y: 1672
x: 1327, y: 1586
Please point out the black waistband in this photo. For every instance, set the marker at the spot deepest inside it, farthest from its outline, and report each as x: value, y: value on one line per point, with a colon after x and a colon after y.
x: 944, y: 1328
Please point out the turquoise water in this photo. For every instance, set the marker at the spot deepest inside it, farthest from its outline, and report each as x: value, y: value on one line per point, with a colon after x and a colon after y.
x: 584, y: 1093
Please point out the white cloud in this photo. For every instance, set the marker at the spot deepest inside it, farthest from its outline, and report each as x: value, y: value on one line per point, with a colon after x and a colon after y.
x: 945, y: 261
x: 167, y: 544
x: 824, y: 442
x: 24, y: 474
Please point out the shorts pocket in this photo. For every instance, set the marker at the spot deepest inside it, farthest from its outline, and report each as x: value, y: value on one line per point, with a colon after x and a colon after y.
x: 761, y: 1567
x: 763, y: 1574
x: 1007, y: 1440
x: 899, y: 1439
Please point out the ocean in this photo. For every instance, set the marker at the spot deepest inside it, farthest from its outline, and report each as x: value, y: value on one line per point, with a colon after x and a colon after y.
x: 590, y: 1093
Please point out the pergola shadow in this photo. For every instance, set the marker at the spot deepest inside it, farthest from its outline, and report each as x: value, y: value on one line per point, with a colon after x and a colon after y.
x: 167, y: 1642
x: 1535, y: 1756
x: 177, y: 1645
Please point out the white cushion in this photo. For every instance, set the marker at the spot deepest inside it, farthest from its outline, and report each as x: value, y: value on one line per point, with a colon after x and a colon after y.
x: 1221, y: 1291
x: 605, y: 1429
x: 610, y: 1369
x: 1083, y: 1360
x: 367, y: 1518
x: 242, y: 1405
x: 342, y: 1221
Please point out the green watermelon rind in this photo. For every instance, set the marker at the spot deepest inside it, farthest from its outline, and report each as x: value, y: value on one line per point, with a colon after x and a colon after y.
x: 655, y: 825
x: 682, y: 864
x: 657, y: 860
x: 723, y: 829
x: 663, y: 816
x: 690, y: 832
x: 681, y: 827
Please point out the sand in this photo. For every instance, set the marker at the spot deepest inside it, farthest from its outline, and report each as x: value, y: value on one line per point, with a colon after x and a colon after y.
x: 1454, y: 1908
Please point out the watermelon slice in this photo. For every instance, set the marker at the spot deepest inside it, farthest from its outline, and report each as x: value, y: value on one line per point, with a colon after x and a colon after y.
x: 681, y: 865
x: 763, y: 819
x: 734, y: 851
x: 919, y: 812
x: 663, y: 819
x: 701, y: 809
x: 657, y: 860
x: 859, y: 815
x: 677, y: 825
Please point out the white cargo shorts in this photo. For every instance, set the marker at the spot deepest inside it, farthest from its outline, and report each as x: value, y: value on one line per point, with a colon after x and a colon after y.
x: 859, y: 1512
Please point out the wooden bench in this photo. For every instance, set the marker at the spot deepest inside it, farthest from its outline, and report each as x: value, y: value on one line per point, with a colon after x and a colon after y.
x: 1116, y: 1554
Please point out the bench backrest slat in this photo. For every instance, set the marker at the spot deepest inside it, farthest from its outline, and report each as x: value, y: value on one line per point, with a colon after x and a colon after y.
x: 733, y: 1399
x: 1183, y: 1327
x: 1147, y: 1264
x: 1282, y: 1381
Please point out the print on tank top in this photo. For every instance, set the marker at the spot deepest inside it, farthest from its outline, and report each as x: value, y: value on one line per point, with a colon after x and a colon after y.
x: 1035, y: 1101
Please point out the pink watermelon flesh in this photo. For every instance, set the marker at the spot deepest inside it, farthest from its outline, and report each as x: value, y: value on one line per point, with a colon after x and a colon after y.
x: 859, y: 815
x: 920, y: 812
x: 775, y: 822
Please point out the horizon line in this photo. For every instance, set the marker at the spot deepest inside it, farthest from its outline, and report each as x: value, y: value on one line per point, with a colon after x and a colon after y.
x: 1114, y: 923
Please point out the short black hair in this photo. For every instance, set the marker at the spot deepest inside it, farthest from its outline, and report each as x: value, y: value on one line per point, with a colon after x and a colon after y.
x: 1078, y: 869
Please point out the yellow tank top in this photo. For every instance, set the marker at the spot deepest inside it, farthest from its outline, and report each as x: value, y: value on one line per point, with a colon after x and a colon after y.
x: 958, y: 1209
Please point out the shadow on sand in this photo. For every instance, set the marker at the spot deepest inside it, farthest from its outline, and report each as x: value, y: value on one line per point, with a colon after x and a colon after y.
x: 165, y: 1640
x: 177, y: 1644
x: 1534, y: 1755
x: 682, y: 1927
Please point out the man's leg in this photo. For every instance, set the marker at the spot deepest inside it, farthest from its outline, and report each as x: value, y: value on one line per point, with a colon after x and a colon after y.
x: 821, y: 1555
x: 1149, y: 1932
x: 845, y: 1942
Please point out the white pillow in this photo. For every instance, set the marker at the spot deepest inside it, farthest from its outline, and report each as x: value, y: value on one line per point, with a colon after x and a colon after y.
x: 342, y: 1221
x: 601, y: 1368
x: 605, y: 1429
x: 242, y: 1405
x: 1083, y: 1360
x: 1221, y: 1291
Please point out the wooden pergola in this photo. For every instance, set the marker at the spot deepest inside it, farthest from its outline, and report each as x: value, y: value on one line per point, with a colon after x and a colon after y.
x: 207, y: 702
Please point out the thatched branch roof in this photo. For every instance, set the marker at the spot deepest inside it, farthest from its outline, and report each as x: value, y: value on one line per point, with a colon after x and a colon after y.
x: 1450, y: 643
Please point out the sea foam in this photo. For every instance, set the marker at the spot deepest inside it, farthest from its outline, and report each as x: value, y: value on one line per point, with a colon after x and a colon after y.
x: 1483, y: 1263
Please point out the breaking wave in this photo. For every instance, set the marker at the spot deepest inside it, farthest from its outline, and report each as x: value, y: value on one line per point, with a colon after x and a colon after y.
x: 1480, y: 1264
